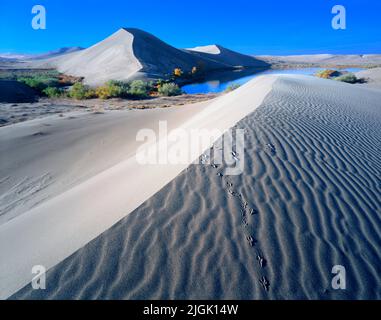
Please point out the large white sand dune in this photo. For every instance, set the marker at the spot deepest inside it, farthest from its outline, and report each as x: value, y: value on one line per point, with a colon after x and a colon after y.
x: 132, y: 53
x: 312, y: 177
x: 308, y: 199
x: 65, y: 181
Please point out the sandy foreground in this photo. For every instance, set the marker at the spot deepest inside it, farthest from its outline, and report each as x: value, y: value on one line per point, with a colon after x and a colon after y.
x: 75, y: 200
x: 65, y: 181
x: 19, y: 112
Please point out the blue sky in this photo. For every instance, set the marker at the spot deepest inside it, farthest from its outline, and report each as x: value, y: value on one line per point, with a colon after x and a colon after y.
x: 249, y: 26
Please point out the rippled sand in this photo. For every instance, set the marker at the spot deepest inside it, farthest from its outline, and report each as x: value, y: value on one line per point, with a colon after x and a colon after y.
x: 308, y: 199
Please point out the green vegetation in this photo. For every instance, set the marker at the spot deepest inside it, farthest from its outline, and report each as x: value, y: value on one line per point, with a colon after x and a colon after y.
x: 80, y: 91
x: 39, y: 82
x: 53, y: 92
x: 112, y: 89
x: 53, y: 84
x: 27, y: 73
x: 328, y: 74
x: 169, y: 89
x: 348, y: 78
x: 136, y: 89
x: 140, y: 89
x: 48, y: 83
x: 339, y: 76
x: 232, y: 87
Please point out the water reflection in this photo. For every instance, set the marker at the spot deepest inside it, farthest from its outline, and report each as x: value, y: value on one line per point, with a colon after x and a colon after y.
x: 218, y: 82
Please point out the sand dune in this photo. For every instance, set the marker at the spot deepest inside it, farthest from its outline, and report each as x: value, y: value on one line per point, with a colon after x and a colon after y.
x: 45, y: 157
x: 65, y: 181
x: 325, y: 59
x: 309, y: 198
x: 132, y: 53
x: 128, y: 54
x: 371, y: 76
x: 228, y: 57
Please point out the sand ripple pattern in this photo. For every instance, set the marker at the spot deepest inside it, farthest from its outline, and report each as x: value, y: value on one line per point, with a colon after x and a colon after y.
x: 309, y: 198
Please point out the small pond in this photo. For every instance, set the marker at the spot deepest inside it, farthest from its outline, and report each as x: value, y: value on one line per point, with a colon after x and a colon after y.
x: 221, y: 81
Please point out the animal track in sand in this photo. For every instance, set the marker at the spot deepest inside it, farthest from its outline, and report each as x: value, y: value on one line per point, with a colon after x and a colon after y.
x: 38, y: 134
x: 244, y: 212
x: 261, y: 260
x: 265, y: 283
x: 251, y: 240
x: 271, y: 148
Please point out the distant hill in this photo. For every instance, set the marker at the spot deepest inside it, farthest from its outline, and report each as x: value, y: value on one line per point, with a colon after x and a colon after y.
x: 227, y: 57
x: 57, y: 52
x: 46, y: 55
x: 325, y: 59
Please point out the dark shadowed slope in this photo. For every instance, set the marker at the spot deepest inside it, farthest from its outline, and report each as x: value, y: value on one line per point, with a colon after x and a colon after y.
x: 14, y: 91
x: 228, y: 57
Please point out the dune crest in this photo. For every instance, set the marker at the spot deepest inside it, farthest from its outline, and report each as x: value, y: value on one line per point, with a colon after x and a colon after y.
x: 131, y: 53
x: 308, y: 199
x: 61, y: 223
x: 227, y: 57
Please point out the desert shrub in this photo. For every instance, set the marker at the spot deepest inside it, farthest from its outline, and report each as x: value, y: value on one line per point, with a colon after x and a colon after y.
x: 39, y: 82
x: 169, y: 89
x: 79, y: 91
x: 118, y: 88
x: 102, y: 92
x: 33, y: 83
x: 177, y: 72
x: 113, y: 89
x: 328, y: 74
x: 90, y: 93
x: 159, y: 83
x: 140, y: 88
x: 232, y: 87
x: 53, y: 92
x: 348, y: 77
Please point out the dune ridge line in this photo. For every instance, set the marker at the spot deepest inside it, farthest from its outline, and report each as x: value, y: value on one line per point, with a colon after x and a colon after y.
x: 55, y: 229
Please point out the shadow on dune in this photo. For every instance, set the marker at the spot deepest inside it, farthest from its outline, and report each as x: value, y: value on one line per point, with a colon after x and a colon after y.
x: 15, y: 92
x: 230, y: 75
